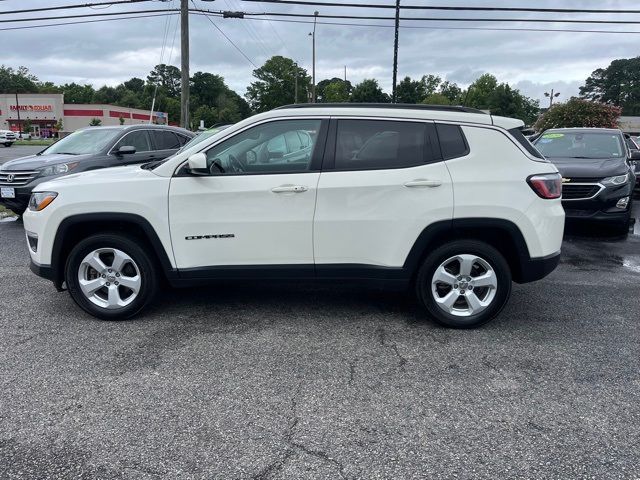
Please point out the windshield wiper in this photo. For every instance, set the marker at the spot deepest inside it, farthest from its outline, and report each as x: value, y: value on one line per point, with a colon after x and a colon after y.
x: 67, y: 153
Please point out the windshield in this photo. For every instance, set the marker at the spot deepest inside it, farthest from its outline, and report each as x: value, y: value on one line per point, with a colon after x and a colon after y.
x: 84, y: 141
x: 581, y: 145
x: 202, y: 136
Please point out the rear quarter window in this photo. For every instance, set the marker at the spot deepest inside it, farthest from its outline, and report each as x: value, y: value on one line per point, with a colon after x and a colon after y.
x: 453, y: 143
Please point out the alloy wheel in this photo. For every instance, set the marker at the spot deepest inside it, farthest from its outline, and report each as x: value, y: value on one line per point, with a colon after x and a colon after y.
x: 464, y: 285
x: 109, y: 278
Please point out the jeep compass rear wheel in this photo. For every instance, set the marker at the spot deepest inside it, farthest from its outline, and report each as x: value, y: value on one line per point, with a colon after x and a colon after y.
x: 110, y: 276
x: 464, y: 284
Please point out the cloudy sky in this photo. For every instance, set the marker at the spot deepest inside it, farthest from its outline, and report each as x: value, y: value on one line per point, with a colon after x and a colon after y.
x: 110, y: 52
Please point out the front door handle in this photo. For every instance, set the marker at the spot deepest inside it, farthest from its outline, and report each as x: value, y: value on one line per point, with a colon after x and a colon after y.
x: 423, y: 183
x: 289, y: 189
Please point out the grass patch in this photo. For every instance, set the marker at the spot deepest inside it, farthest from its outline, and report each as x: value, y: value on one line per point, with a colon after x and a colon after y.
x: 5, y: 212
x: 42, y: 142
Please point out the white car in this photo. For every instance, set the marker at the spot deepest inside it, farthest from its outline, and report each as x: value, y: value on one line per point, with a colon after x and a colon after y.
x: 7, y: 137
x: 450, y: 201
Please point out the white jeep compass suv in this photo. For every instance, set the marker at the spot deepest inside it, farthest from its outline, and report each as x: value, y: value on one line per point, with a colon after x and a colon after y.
x: 449, y: 200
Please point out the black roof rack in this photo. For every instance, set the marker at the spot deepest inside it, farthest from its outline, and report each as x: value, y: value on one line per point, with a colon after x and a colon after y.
x: 402, y: 106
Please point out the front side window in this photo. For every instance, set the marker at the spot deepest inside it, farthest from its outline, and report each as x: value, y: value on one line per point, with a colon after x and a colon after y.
x: 264, y: 149
x: 138, y: 139
x: 380, y: 144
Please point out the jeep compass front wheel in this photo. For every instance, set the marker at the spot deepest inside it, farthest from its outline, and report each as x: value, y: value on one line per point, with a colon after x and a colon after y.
x: 110, y: 276
x: 464, y: 284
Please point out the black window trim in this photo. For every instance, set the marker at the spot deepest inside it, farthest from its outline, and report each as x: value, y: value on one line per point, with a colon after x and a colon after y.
x: 467, y: 150
x: 329, y: 160
x: 316, y: 157
x: 526, y: 144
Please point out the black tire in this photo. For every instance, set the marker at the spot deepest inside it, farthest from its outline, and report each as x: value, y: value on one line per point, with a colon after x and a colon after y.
x: 461, y: 247
x: 145, y: 263
x: 8, y: 144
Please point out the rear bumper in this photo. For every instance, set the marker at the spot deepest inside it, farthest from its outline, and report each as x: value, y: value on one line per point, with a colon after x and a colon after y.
x: 538, y: 267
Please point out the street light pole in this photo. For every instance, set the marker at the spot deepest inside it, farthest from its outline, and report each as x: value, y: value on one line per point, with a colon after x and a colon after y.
x: 184, y: 67
x: 551, y: 96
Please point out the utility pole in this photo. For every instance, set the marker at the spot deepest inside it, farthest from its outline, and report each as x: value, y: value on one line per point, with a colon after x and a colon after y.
x: 295, y: 90
x: 184, y: 67
x: 395, y: 52
x: 345, y: 73
x: 313, y: 87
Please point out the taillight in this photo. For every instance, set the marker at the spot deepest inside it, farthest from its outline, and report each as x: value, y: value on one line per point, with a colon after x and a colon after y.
x: 547, y: 185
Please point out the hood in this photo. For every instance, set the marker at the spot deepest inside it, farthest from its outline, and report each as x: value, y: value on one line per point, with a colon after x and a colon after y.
x: 101, y: 176
x: 32, y: 162
x: 590, y: 167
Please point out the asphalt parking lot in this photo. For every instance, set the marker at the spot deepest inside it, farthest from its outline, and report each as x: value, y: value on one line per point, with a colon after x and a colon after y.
x: 291, y: 382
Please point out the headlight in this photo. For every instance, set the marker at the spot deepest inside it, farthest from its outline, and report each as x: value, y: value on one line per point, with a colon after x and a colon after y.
x: 40, y: 200
x: 58, y: 169
x: 617, y: 180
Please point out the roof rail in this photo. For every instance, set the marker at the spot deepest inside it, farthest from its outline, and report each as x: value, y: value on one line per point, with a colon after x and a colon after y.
x: 402, y: 106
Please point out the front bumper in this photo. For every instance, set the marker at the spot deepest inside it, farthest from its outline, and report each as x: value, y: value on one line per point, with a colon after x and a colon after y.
x: 601, y: 208
x: 44, y: 271
x: 23, y: 194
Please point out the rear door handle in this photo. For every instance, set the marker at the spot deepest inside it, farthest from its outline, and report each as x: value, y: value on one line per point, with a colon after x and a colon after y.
x: 289, y: 189
x: 423, y: 183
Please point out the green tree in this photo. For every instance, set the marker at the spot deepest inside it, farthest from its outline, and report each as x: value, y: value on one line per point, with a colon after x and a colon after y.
x: 18, y: 80
x: 75, y: 93
x: 345, y: 85
x: 337, y: 92
x: 578, y: 112
x: 135, y: 84
x: 105, y: 94
x: 95, y: 122
x: 508, y: 102
x: 618, y: 84
x: 450, y: 90
x: 275, y: 84
x: 436, y: 99
x: 411, y: 91
x: 167, y: 77
x: 121, y: 120
x: 479, y: 92
x: 26, y: 126
x: 59, y: 125
x: 368, y: 91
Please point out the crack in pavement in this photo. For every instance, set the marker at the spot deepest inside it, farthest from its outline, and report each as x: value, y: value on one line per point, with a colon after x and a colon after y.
x: 278, y: 465
x: 382, y: 340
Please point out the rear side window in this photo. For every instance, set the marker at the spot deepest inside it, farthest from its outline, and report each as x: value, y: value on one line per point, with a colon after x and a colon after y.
x: 452, y: 141
x: 522, y: 140
x: 165, y: 140
x: 380, y: 144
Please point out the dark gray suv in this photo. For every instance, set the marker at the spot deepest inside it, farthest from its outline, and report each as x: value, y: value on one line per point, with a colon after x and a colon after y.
x: 87, y: 149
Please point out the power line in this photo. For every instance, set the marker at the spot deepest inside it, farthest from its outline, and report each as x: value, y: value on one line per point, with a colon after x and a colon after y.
x: 130, y: 15
x: 86, y: 15
x: 449, y: 8
x: 82, y: 22
x: 228, y: 39
x: 447, y: 19
x: 423, y: 27
x: 67, y: 7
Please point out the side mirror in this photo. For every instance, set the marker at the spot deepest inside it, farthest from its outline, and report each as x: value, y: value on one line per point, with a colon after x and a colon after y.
x: 197, y: 164
x: 126, y: 150
x: 635, y: 155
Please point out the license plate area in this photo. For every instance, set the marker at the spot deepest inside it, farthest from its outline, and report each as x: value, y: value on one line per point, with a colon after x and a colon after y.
x: 7, y: 192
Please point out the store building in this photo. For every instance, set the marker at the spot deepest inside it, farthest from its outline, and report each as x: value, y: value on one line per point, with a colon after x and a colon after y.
x: 42, y: 111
